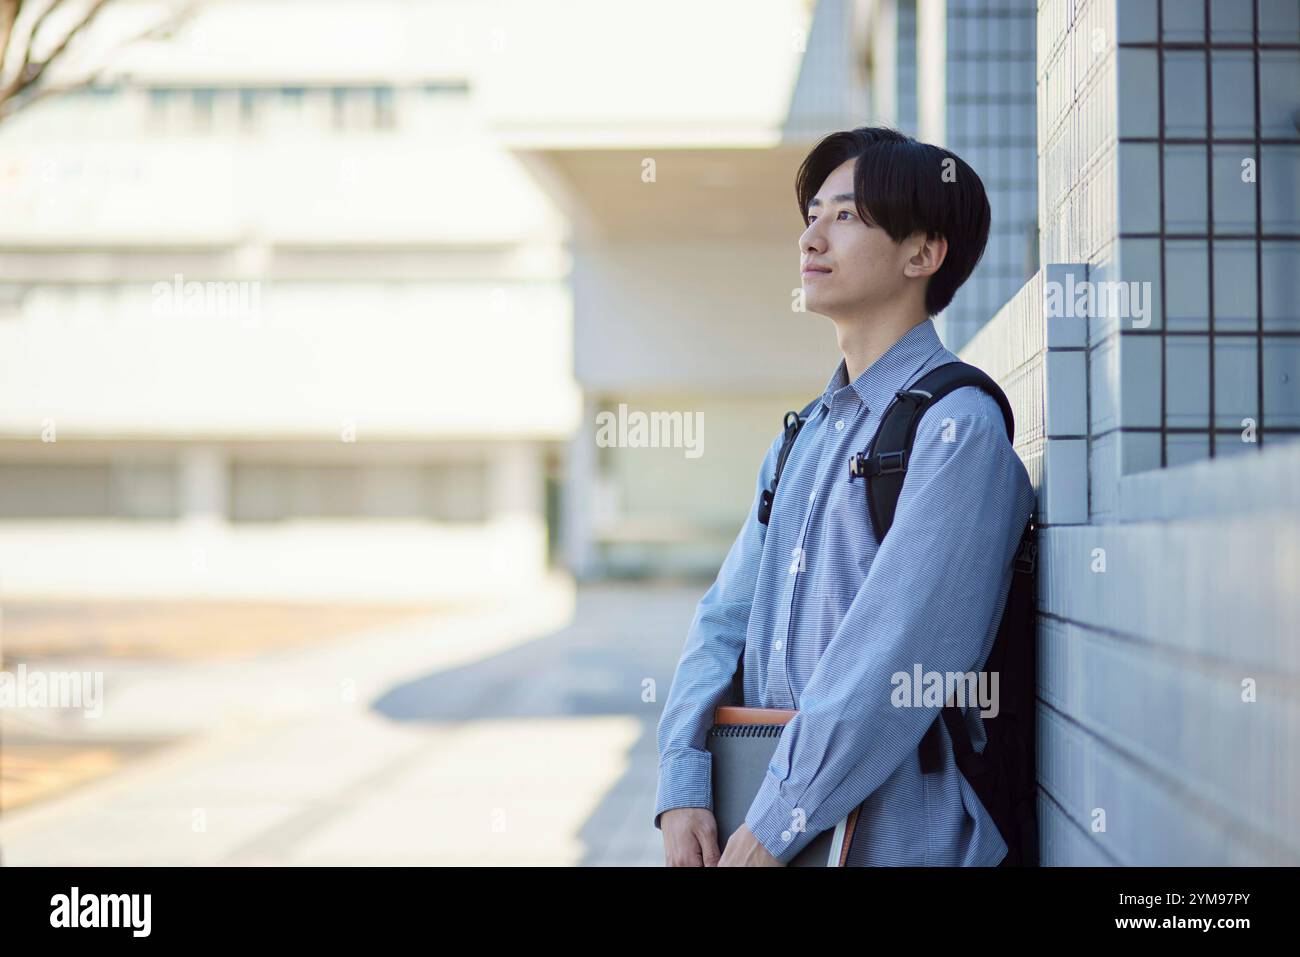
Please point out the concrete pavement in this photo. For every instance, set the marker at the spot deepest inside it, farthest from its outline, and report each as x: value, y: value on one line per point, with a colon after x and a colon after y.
x: 510, y: 735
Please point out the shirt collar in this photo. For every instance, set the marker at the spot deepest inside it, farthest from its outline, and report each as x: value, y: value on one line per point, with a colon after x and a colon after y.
x: 891, y: 371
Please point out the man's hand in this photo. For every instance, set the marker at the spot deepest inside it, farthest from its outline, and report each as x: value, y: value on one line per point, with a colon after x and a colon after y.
x: 690, y: 837
x: 744, y: 850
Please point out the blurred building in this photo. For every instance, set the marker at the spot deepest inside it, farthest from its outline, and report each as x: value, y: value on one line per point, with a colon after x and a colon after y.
x: 675, y: 154
x: 635, y: 249
x: 661, y: 321
x: 328, y: 298
x: 279, y: 316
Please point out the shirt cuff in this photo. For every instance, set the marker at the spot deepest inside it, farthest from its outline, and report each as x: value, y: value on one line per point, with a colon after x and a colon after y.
x: 775, y: 824
x: 685, y: 780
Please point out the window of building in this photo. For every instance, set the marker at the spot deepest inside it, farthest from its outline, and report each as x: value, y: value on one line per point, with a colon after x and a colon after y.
x: 129, y: 490
x: 278, y: 491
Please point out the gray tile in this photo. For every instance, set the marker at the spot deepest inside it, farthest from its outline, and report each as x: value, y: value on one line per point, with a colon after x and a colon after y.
x: 1020, y: 123
x: 1281, y: 382
x: 1279, y: 78
x: 1140, y: 263
x: 1186, y: 190
x: 1139, y: 188
x: 1281, y: 284
x: 1063, y: 498
x: 1140, y: 380
x: 1234, y: 286
x: 1026, y: 31
x: 1233, y: 101
x: 1231, y: 21
x: 1187, y: 382
x: 1139, y: 451
x: 1139, y: 104
x: 1185, y: 100
x: 1279, y: 21
x: 1184, y: 21
x: 1279, y: 192
x: 1066, y: 410
x: 1187, y: 288
x: 1234, y: 197
x: 1236, y: 394
x: 1063, y: 327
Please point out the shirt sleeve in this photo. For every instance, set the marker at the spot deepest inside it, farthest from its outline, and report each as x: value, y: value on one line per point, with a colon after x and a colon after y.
x: 714, y: 644
x: 933, y: 596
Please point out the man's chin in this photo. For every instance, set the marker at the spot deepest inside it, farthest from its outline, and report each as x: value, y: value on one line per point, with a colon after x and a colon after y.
x: 819, y: 305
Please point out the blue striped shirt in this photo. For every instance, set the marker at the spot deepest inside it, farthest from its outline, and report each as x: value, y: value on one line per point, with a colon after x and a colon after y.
x: 826, y: 616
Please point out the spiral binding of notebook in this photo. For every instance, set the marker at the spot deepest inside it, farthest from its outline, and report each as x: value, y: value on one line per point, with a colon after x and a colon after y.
x: 742, y: 742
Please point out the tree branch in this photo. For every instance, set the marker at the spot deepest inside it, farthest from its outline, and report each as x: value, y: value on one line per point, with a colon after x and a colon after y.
x: 22, y: 91
x: 8, y: 15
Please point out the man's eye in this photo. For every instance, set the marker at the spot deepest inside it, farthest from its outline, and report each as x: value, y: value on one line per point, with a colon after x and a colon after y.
x: 842, y: 212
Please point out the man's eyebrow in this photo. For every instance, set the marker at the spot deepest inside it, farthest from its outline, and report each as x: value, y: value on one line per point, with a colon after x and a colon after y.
x: 841, y: 198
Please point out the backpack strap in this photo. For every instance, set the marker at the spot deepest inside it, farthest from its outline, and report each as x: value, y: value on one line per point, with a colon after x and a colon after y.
x: 884, y: 464
x: 884, y: 467
x: 793, y: 423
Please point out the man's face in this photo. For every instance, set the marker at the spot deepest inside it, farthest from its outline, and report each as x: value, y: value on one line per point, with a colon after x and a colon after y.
x: 865, y: 267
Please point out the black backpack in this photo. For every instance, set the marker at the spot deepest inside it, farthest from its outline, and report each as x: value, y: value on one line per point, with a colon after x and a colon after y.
x: 1003, y: 775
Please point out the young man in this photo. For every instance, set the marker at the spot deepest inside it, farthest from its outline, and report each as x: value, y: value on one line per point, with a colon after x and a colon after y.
x: 825, y: 614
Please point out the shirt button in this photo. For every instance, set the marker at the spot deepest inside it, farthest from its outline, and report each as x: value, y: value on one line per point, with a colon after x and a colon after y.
x: 812, y: 495
x: 785, y: 835
x: 839, y: 425
x: 778, y: 644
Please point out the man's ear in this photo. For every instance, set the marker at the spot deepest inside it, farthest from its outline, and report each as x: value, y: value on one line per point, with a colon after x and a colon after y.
x: 928, y: 256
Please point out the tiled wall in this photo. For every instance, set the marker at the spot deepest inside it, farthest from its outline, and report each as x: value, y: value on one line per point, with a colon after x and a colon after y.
x: 1169, y: 731
x: 989, y: 122
x: 1169, y: 726
x: 1170, y: 157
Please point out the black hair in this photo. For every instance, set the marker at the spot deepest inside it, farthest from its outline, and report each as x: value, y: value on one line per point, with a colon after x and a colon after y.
x: 904, y: 186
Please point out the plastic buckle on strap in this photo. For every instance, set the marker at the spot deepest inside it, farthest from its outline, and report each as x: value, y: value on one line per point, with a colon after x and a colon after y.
x: 880, y: 468
x: 860, y: 464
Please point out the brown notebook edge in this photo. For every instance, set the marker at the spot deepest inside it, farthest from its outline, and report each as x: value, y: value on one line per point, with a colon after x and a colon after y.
x: 736, y: 714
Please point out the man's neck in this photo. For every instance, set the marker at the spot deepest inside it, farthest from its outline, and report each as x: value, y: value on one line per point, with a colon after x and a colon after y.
x: 864, y: 341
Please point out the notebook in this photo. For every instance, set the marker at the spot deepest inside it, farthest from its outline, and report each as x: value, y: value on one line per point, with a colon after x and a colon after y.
x: 742, y: 741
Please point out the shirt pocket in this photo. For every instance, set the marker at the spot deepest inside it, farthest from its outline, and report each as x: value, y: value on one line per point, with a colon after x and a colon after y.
x: 848, y: 542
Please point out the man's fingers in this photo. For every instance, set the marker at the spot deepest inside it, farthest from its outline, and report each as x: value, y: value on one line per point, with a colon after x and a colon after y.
x: 685, y: 852
x: 707, y: 835
x: 690, y: 838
